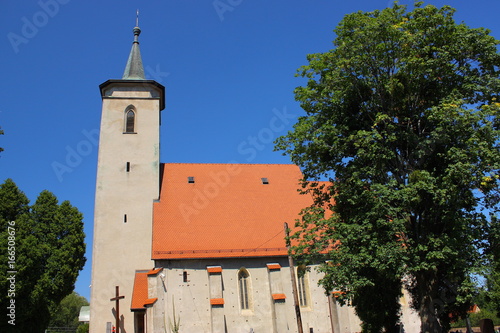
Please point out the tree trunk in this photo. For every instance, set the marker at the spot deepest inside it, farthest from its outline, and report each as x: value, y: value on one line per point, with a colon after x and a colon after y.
x: 430, y: 303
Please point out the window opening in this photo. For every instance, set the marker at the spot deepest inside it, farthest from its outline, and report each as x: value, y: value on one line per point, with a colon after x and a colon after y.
x: 301, y: 272
x: 124, y: 218
x: 265, y: 181
x: 191, y: 180
x: 130, y: 121
x: 128, y: 166
x: 185, y: 276
x: 243, y: 281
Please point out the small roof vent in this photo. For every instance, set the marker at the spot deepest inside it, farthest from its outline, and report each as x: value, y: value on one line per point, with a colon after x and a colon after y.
x: 191, y: 180
x: 265, y: 181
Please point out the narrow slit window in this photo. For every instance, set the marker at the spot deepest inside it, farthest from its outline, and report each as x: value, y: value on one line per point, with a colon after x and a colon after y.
x: 191, y: 180
x: 124, y: 218
x: 185, y: 276
x: 302, y: 286
x: 244, y: 286
x: 265, y: 181
x: 130, y: 121
x: 128, y: 166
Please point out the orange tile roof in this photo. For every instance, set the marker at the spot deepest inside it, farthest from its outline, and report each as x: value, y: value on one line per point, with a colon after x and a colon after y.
x: 150, y: 301
x: 217, y: 301
x: 140, y: 291
x: 155, y: 271
x: 273, y: 266
x: 214, y: 269
x: 279, y: 296
x: 227, y: 211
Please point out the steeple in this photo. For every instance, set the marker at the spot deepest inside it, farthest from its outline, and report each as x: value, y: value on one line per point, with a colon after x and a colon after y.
x: 134, y: 69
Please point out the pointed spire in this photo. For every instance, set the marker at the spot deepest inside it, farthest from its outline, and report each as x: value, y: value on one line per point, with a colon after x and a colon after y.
x: 134, y: 69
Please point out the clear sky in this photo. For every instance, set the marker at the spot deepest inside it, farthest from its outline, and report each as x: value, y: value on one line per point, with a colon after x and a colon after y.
x: 228, y: 67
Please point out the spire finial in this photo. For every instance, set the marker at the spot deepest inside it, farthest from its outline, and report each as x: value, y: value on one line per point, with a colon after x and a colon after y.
x: 134, y: 69
x: 137, y: 30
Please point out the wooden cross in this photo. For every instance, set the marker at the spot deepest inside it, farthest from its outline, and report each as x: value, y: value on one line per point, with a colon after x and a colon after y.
x: 117, y: 298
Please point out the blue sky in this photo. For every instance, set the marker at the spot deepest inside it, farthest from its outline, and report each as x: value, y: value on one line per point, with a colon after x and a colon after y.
x: 228, y: 67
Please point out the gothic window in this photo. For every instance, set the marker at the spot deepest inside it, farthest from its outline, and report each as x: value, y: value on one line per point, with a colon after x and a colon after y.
x: 244, y: 289
x: 130, y: 121
x: 302, y: 286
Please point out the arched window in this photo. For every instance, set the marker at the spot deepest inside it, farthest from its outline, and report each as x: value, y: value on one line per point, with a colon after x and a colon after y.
x: 302, y: 286
x: 244, y: 286
x: 130, y: 121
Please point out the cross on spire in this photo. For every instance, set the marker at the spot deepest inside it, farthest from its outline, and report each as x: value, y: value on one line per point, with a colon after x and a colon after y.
x: 117, y: 299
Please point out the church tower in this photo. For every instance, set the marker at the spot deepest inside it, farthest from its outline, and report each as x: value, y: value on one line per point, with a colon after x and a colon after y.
x: 127, y: 184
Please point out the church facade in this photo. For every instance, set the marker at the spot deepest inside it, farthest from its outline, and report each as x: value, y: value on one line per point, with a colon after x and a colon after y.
x: 195, y: 247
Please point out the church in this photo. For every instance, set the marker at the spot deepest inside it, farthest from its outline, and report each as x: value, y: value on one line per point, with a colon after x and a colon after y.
x: 195, y: 247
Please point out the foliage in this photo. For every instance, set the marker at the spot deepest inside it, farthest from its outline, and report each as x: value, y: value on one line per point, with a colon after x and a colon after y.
x: 493, y: 273
x: 83, y: 328
x: 47, y: 248
x: 402, y: 119
x: 175, y: 324
x: 66, y: 313
x: 487, y: 309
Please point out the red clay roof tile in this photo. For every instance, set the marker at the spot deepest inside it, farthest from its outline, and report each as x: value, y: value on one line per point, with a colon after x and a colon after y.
x: 227, y: 212
x: 214, y: 269
x: 279, y: 296
x: 273, y: 266
x: 140, y: 291
x: 155, y: 271
x: 217, y: 301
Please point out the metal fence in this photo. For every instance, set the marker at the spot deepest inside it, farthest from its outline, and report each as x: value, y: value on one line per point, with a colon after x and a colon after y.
x: 60, y: 330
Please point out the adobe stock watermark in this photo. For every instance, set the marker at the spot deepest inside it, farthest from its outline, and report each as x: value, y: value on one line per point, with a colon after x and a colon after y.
x: 11, y: 272
x: 249, y: 149
x: 223, y: 6
x: 75, y: 154
x: 31, y: 26
x: 255, y: 143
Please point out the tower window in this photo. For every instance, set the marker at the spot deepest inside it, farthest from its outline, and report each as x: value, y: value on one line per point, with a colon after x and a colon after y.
x: 265, y: 181
x: 130, y: 121
x: 124, y: 218
x: 128, y: 167
x: 191, y: 180
x: 185, y: 276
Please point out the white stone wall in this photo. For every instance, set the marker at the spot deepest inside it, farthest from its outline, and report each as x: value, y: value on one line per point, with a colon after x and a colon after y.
x: 192, y: 298
x: 119, y: 247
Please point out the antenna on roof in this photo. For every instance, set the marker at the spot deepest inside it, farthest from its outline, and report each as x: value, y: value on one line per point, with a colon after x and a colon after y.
x: 137, y: 18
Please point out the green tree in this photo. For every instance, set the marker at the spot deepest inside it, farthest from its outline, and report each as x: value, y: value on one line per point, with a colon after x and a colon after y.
x: 48, y: 243
x: 66, y: 313
x: 487, y: 309
x: 493, y: 270
x: 83, y: 328
x: 402, y: 118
